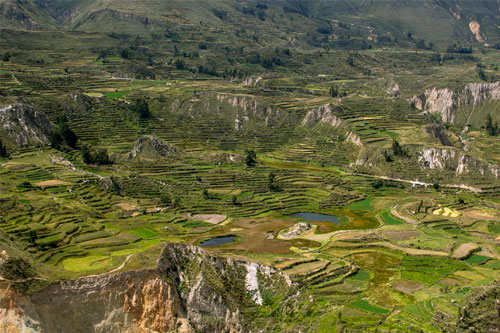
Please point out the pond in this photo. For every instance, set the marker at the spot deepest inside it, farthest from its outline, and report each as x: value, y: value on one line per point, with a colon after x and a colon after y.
x: 316, y: 217
x: 216, y: 241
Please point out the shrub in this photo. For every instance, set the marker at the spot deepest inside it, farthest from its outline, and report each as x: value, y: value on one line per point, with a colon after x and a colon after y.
x: 250, y: 158
x: 141, y: 107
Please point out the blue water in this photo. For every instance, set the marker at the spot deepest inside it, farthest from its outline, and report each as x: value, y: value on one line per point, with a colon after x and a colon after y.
x: 315, y: 217
x: 218, y: 240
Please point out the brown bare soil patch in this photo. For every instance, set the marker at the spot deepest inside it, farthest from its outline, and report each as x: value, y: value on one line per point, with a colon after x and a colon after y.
x: 210, y: 218
x: 464, y: 250
x: 398, y: 235
x: 479, y: 214
x: 126, y: 206
x: 407, y: 286
x: 52, y: 183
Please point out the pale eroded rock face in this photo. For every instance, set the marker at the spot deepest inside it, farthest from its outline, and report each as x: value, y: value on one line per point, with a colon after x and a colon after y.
x: 445, y: 102
x: 475, y: 28
x: 441, y: 101
x: 447, y: 158
x: 251, y: 108
x: 326, y: 114
x: 23, y: 125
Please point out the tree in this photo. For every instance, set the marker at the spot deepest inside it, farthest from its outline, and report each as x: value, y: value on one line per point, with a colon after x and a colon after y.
x: 3, y: 149
x: 397, y: 150
x: 334, y: 91
x: 62, y: 134
x: 387, y: 156
x: 6, y: 57
x: 68, y: 135
x: 141, y: 107
x: 491, y: 128
x: 272, y: 183
x: 32, y: 236
x: 250, y: 158
x: 481, y: 74
x: 91, y: 156
x: 55, y: 139
x: 125, y: 54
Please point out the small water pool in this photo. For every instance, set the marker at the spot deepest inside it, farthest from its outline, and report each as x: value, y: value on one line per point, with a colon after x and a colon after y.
x: 316, y: 217
x: 216, y: 241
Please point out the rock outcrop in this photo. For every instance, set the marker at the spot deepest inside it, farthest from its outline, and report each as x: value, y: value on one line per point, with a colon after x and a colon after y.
x: 327, y: 114
x: 450, y: 159
x: 298, y: 229
x: 191, y: 290
x: 150, y: 147
x: 23, y: 125
x: 251, y: 107
x: 475, y: 28
x: 445, y: 101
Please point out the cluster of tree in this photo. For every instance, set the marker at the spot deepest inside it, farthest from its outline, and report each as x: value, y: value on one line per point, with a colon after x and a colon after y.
x: 62, y: 134
x: 6, y: 56
x: 221, y: 14
x: 272, y: 183
x: 95, y: 156
x: 335, y: 92
x: 491, y: 127
x: 397, y: 150
x: 266, y: 61
x: 250, y: 158
x: 141, y: 107
x: 459, y: 49
x: 421, y: 45
x: 482, y: 74
x: 261, y: 14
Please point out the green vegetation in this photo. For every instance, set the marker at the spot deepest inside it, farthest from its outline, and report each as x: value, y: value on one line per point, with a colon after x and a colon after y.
x: 364, y: 305
x: 389, y: 219
x: 264, y: 108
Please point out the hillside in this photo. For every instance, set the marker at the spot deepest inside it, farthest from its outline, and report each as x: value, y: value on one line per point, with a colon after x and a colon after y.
x: 337, y: 161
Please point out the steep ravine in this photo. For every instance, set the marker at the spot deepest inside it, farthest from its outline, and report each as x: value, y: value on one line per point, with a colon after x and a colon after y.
x: 189, y: 291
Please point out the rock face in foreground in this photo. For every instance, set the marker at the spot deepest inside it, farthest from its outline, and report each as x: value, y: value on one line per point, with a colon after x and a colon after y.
x: 189, y: 291
x: 23, y: 125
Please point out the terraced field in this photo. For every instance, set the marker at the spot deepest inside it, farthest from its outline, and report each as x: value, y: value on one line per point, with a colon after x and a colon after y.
x: 219, y: 124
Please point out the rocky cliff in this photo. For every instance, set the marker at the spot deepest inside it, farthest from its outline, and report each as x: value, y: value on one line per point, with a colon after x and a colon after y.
x: 251, y: 107
x: 189, y: 291
x: 23, y: 125
x: 327, y: 114
x: 445, y: 101
x: 450, y: 159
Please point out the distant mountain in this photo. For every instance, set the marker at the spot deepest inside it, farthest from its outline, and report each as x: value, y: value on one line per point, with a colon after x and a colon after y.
x: 437, y: 21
